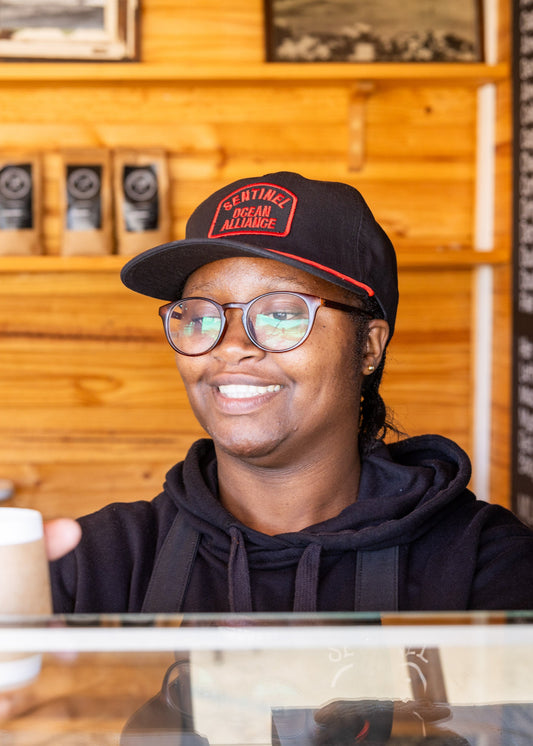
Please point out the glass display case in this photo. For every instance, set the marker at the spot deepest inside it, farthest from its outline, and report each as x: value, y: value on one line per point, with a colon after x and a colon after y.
x: 267, y: 679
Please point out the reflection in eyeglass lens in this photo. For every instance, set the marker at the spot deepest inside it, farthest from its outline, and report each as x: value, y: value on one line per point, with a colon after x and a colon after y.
x: 276, y: 321
x: 195, y: 325
x: 279, y: 321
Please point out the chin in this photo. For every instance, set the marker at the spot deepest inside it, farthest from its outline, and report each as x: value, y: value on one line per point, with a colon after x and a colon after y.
x: 250, y: 449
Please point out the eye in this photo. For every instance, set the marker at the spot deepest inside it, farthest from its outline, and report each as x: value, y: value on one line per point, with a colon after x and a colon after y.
x: 285, y: 315
x: 281, y: 308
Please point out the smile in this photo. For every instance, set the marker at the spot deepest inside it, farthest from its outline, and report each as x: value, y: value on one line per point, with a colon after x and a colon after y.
x: 241, y: 391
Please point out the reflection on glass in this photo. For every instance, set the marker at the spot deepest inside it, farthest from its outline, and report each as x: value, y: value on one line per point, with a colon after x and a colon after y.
x: 317, y: 681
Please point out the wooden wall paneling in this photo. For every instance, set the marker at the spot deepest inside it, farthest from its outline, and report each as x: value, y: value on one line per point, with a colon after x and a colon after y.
x: 93, y: 404
x: 93, y: 408
x: 205, y: 33
x: 427, y: 382
x: 216, y: 134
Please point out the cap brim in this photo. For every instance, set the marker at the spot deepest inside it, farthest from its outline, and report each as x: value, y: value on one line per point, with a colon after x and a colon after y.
x: 161, y: 272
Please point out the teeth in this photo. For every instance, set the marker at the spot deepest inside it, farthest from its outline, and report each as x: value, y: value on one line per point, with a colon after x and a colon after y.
x: 234, y: 391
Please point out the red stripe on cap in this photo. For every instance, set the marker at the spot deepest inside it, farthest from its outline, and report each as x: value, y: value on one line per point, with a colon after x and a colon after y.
x: 326, y: 269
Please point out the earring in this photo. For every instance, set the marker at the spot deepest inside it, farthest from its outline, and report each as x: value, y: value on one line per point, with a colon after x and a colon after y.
x: 371, y: 369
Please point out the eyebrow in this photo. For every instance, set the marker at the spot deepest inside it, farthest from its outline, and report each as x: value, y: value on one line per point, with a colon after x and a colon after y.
x: 272, y: 282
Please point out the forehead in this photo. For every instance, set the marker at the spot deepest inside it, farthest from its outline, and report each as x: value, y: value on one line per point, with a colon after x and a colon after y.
x: 260, y: 276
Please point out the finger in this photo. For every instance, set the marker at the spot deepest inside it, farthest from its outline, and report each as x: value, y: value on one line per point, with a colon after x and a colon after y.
x: 427, y: 709
x: 15, y: 703
x: 431, y: 711
x: 341, y: 711
x: 60, y: 537
x: 332, y: 711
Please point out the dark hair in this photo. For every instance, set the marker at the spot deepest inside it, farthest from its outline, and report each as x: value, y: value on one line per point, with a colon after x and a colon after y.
x: 376, y: 421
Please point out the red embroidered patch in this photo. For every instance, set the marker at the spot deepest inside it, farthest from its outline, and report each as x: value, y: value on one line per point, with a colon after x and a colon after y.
x: 254, y: 210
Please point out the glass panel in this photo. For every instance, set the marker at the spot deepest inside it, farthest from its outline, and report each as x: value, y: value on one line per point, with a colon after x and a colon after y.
x: 217, y: 679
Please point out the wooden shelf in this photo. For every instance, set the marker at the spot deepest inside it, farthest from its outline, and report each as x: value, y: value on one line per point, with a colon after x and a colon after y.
x: 42, y: 263
x: 100, y: 72
x: 409, y: 256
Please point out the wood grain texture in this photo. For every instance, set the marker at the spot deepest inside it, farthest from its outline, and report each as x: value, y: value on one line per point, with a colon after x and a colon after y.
x: 92, y: 406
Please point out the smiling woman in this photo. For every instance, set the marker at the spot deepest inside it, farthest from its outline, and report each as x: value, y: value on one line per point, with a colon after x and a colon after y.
x: 284, y: 408
x: 296, y: 501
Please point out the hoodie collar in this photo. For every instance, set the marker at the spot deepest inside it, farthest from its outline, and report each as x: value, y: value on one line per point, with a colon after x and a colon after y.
x: 403, y: 490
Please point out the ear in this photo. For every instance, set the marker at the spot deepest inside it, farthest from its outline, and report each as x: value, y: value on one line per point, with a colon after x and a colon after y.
x: 378, y: 335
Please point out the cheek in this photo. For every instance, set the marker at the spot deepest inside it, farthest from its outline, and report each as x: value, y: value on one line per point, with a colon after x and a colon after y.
x: 190, y: 374
x: 337, y: 368
x: 337, y: 348
x: 189, y: 370
x: 330, y: 371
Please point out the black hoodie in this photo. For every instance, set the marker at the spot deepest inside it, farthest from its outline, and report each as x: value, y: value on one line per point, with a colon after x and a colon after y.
x: 453, y: 552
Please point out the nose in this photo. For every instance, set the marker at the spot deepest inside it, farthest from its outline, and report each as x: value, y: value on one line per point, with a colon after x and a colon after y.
x: 235, y: 343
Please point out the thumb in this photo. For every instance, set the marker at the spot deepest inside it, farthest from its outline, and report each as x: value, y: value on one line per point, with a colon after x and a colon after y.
x: 61, y: 535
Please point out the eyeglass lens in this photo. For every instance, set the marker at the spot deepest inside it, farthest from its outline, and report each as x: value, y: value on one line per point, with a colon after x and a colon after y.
x: 276, y: 321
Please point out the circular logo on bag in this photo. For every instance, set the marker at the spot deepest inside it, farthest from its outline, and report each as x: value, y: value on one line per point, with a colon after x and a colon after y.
x: 140, y: 185
x: 15, y: 182
x: 83, y: 183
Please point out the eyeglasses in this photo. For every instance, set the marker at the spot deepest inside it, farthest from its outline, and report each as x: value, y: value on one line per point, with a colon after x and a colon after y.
x: 274, y: 322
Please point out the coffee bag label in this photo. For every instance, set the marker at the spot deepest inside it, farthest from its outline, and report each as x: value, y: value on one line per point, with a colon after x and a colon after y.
x: 16, y: 197
x: 84, y: 197
x: 140, y: 198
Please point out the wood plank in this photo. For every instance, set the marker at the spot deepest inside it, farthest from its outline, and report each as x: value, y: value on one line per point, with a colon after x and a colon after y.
x: 236, y: 71
x: 427, y: 383
x: 89, y: 387
x: 74, y: 488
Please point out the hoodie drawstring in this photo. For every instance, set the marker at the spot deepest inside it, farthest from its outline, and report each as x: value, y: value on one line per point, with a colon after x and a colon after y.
x: 306, y: 584
x: 240, y: 594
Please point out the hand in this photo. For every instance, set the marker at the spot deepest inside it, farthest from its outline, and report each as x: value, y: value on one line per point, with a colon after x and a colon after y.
x: 61, y: 535
x: 16, y: 703
x: 412, y: 717
x: 347, y: 722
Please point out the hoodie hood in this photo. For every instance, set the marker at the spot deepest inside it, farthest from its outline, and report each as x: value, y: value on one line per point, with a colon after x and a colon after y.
x: 404, y: 490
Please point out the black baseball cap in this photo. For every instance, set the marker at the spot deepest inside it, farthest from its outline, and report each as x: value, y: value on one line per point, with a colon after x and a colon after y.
x: 323, y: 227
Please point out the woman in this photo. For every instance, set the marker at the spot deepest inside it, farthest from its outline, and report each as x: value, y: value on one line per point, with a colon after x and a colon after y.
x: 282, y: 300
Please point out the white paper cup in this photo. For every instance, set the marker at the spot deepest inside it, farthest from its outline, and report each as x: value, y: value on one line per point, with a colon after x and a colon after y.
x: 24, y: 575
x: 17, y: 672
x: 24, y: 586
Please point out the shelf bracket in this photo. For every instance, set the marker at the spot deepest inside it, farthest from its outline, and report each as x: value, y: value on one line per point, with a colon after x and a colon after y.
x: 358, y: 96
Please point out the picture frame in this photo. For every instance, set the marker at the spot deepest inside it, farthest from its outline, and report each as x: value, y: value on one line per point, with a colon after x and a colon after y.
x: 373, y: 31
x: 69, y: 30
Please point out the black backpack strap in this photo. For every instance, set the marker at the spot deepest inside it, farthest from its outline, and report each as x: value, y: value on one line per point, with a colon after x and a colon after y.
x: 376, y: 574
x: 376, y: 580
x: 172, y: 569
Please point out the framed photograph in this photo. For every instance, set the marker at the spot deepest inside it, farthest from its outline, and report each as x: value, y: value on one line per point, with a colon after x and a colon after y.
x: 85, y: 30
x: 373, y: 30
